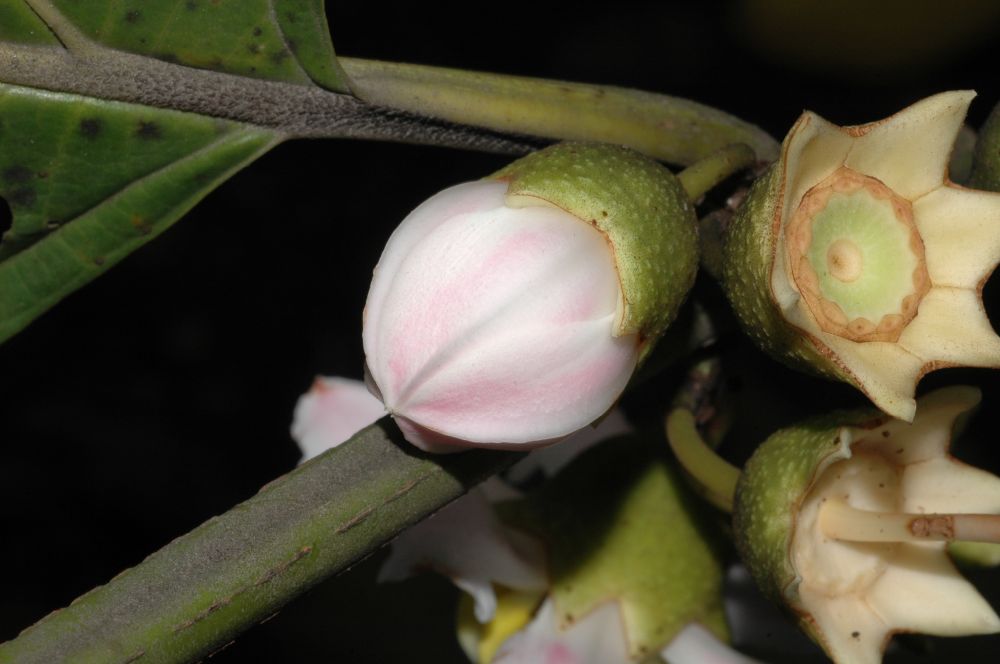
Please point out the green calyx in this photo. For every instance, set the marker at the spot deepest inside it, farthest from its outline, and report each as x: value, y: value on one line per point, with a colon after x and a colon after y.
x: 771, y: 488
x: 638, y: 205
x: 748, y: 255
x: 620, y: 525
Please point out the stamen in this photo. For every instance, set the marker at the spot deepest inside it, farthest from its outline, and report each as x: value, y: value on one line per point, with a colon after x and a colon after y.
x: 838, y: 520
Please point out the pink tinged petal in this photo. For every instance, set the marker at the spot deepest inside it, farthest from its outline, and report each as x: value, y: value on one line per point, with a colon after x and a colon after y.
x: 548, y: 461
x: 921, y: 591
x: 597, y: 638
x: 697, y: 645
x: 333, y: 410
x: 495, y: 327
x: 951, y: 326
x: 961, y: 233
x: 466, y: 542
x: 910, y: 150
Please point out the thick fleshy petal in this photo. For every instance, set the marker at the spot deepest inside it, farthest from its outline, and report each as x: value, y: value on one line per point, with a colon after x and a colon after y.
x: 333, y: 410
x: 497, y: 326
x: 922, y: 592
x: 814, y: 149
x: 466, y: 542
x: 961, y: 233
x: 886, y: 372
x: 910, y: 150
x: 850, y: 629
x: 946, y: 485
x: 597, y: 638
x: 951, y: 326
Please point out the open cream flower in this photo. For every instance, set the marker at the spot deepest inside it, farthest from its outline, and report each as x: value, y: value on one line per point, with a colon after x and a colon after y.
x: 858, y: 257
x: 845, y: 522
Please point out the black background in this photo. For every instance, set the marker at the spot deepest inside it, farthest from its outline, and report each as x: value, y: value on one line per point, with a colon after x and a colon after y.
x: 161, y: 394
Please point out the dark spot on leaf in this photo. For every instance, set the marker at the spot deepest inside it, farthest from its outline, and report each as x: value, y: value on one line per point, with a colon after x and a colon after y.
x: 254, y: 48
x: 279, y: 57
x: 202, y: 177
x: 604, y: 213
x: 257, y: 32
x: 291, y: 17
x: 292, y: 46
x: 855, y: 635
x: 23, y: 197
x: 17, y: 173
x: 98, y: 261
x: 253, y: 70
x: 91, y: 127
x: 142, y: 40
x: 133, y: 16
x: 149, y: 131
x: 168, y: 57
x: 190, y: 5
x: 140, y: 224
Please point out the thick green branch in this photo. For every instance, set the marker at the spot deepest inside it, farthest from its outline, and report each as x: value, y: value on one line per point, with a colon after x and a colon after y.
x: 672, y: 129
x: 201, y: 590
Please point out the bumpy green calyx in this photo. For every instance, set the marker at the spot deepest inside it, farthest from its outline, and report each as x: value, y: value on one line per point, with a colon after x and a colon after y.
x: 748, y: 254
x: 638, y: 205
x: 620, y: 525
x: 770, y: 491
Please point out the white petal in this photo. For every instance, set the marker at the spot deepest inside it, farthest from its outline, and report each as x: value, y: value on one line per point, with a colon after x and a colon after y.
x: 945, y: 485
x: 930, y: 434
x: 333, y: 410
x: 813, y: 150
x: 597, y: 638
x: 922, y: 592
x: 884, y: 371
x: 910, y: 150
x: 951, y: 326
x: 466, y: 542
x: 463, y: 199
x: 497, y: 327
x: 548, y: 461
x: 696, y: 645
x: 961, y: 233
x: 851, y: 631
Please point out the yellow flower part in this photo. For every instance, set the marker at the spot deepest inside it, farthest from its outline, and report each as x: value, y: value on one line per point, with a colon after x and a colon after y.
x: 858, y: 257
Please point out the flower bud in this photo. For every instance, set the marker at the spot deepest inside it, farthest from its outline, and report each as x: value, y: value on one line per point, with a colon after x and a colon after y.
x: 845, y: 522
x: 512, y: 311
x: 856, y: 257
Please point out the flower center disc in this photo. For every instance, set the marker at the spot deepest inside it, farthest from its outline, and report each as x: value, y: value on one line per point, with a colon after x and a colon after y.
x: 857, y: 258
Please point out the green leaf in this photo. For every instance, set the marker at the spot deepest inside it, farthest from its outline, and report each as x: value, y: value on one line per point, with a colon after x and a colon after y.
x: 280, y: 40
x: 89, y: 179
x: 621, y: 525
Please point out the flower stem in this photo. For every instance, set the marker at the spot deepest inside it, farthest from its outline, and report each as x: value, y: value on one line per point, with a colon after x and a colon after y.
x: 200, y: 591
x: 840, y: 521
x: 714, y: 476
x: 674, y: 130
x: 706, y: 173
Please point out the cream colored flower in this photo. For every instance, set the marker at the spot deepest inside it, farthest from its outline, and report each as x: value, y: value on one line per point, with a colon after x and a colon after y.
x: 846, y: 523
x: 856, y: 255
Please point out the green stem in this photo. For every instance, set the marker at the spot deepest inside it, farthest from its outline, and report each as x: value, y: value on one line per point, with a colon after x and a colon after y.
x: 701, y: 176
x: 714, y: 476
x: 675, y: 130
x: 197, y: 593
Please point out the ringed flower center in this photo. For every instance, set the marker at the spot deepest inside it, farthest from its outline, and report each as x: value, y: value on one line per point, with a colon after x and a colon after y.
x: 857, y: 258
